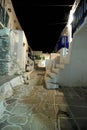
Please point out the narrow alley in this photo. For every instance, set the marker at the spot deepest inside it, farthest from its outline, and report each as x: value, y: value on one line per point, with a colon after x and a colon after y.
x: 38, y: 90
x: 33, y: 107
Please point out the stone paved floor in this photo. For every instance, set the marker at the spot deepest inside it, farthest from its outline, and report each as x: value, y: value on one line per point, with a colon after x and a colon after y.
x: 32, y: 107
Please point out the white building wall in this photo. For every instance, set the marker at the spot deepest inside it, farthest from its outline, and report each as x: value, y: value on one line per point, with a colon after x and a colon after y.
x: 18, y: 41
x: 75, y: 73
x: 13, y: 22
x: 19, y: 48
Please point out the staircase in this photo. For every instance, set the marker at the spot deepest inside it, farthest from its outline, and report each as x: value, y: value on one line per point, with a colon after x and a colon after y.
x: 52, y: 69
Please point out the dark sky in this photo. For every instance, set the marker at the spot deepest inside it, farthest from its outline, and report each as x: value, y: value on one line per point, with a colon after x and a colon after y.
x: 42, y: 21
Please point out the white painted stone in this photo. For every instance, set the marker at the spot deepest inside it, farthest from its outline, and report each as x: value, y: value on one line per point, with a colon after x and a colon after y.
x: 51, y: 86
x: 16, y: 81
x: 51, y: 80
x: 52, y: 75
x: 21, y: 79
x: 6, y: 90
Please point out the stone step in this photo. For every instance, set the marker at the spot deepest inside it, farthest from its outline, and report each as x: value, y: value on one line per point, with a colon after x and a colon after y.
x: 64, y: 60
x: 60, y: 66
x: 51, y: 75
x: 55, y: 70
x: 52, y: 86
x: 49, y: 80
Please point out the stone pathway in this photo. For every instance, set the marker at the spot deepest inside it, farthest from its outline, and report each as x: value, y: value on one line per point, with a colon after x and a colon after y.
x: 32, y: 107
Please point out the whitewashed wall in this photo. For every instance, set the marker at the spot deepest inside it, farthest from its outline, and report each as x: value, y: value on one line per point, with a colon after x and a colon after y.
x: 18, y: 48
x: 75, y: 73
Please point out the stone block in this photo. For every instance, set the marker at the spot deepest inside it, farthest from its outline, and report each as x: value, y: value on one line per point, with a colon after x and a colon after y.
x: 16, y: 81
x: 6, y: 90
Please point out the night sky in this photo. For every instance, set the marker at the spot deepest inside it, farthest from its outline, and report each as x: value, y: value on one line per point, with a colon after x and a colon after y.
x: 42, y: 21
